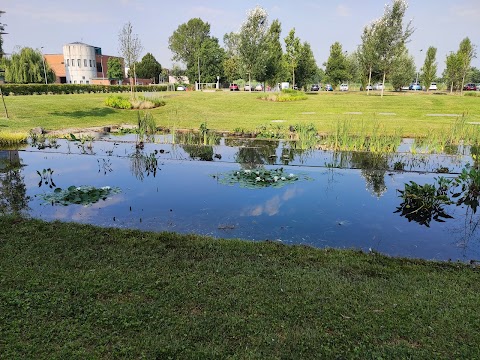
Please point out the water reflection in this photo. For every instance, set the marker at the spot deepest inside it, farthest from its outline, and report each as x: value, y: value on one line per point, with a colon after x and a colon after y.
x: 13, y: 192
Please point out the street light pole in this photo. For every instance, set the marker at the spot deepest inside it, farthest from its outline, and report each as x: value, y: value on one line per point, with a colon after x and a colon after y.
x: 44, y: 69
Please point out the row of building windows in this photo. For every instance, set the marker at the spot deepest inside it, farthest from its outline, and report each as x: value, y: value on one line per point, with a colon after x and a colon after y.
x: 79, y: 63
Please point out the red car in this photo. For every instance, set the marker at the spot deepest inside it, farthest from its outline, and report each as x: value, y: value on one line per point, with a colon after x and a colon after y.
x: 234, y: 87
x: 470, y: 87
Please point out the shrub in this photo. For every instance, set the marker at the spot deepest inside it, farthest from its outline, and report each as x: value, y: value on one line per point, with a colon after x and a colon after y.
x: 118, y: 102
x: 31, y: 89
x: 285, y: 95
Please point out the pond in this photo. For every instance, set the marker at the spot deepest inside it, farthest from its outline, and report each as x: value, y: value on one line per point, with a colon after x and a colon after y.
x: 320, y: 198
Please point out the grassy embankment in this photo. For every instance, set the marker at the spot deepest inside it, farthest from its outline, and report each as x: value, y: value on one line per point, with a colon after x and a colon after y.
x: 408, y: 112
x: 78, y: 291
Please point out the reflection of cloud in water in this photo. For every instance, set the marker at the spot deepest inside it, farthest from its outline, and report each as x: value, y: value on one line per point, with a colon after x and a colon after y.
x: 85, y: 212
x: 272, y: 206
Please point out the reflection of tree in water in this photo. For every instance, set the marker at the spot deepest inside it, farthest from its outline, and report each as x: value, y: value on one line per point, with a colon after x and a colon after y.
x: 469, y: 231
x: 13, y: 192
x: 293, y: 149
x: 142, y: 164
x: 372, y: 167
x: 199, y: 152
x: 254, y: 152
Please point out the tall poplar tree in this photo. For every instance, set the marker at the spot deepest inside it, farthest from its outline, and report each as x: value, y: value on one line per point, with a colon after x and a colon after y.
x: 130, y: 48
x: 429, y: 68
x: 466, y: 53
x: 292, y: 55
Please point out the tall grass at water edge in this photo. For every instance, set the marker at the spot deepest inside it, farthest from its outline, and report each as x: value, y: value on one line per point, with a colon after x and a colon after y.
x: 12, y: 138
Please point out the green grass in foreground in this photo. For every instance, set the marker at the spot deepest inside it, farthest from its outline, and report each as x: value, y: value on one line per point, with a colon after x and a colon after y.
x: 77, y: 291
x: 405, y: 113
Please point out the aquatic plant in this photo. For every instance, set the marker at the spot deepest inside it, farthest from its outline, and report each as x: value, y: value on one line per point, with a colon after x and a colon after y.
x: 424, y: 203
x: 270, y: 131
x: 81, y: 195
x: 12, y: 138
x: 257, y: 178
x: 469, y: 183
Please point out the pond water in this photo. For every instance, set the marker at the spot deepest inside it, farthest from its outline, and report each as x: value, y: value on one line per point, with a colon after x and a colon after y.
x: 339, y: 200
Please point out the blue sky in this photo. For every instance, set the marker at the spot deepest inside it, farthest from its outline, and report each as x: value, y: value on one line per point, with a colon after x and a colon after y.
x: 53, y: 23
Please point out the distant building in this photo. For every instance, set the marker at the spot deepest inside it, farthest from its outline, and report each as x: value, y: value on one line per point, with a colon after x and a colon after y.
x: 81, y: 64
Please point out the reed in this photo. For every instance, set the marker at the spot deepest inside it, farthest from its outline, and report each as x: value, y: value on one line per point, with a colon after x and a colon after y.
x: 12, y: 138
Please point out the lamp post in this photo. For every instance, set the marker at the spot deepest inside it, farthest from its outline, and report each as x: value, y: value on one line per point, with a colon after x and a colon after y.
x: 44, y: 69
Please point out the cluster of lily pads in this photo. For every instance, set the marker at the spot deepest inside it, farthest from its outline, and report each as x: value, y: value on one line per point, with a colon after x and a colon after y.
x: 257, y: 178
x: 81, y: 195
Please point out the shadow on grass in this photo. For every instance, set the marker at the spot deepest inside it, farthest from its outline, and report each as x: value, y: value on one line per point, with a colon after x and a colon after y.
x: 96, y: 112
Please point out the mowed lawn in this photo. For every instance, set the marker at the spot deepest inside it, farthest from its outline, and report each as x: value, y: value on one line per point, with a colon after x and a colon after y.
x: 414, y: 114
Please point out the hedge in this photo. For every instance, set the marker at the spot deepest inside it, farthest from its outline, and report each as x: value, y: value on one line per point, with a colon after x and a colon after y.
x: 39, y: 89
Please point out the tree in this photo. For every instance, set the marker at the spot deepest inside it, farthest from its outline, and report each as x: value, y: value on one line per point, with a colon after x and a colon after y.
x: 390, y: 36
x: 452, y: 72
x: 353, y: 67
x: 429, y: 69
x: 252, y: 45
x: 26, y: 67
x: 192, y: 44
x: 274, y: 63
x: 292, y: 48
x: 148, y: 68
x: 473, y: 75
x: 115, y: 69
x: 466, y: 53
x: 367, y: 55
x: 403, y: 70
x: 231, y: 61
x: 307, y: 67
x: 130, y: 48
x: 336, y: 65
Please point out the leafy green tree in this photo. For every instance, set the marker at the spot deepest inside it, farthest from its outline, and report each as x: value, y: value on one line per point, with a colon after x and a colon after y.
x: 148, y: 68
x: 429, y: 69
x: 192, y: 44
x: 274, y: 63
x: 473, y: 75
x: 115, y: 69
x: 353, y: 67
x: 367, y: 54
x: 253, y: 44
x: 26, y: 67
x: 336, y: 65
x: 292, y: 52
x: 453, y: 70
x: 390, y: 36
x: 403, y: 70
x: 130, y: 48
x: 466, y: 53
x: 306, y: 67
x: 319, y: 75
x: 231, y: 61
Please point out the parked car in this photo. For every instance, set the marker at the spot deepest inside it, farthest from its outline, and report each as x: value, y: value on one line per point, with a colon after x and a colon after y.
x: 369, y: 87
x: 415, y: 86
x: 234, y: 87
x: 344, y: 87
x: 478, y: 87
x: 247, y: 87
x: 406, y: 87
x: 378, y: 86
x: 181, y: 88
x: 315, y: 87
x: 295, y: 87
x: 328, y: 87
x: 259, y: 87
x: 470, y: 87
x: 433, y: 86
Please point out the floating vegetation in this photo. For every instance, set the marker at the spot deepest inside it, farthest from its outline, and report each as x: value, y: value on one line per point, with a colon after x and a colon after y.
x: 81, y: 195
x: 12, y: 138
x: 46, y: 178
x: 422, y: 203
x: 42, y: 141
x: 258, y: 178
x: 271, y: 131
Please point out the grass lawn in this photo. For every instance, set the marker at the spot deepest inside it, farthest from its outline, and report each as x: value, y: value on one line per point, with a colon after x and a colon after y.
x: 408, y: 112
x: 77, y: 291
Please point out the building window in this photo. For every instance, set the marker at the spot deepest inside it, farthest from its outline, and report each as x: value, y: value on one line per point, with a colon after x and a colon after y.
x: 68, y: 62
x: 90, y: 62
x: 85, y: 62
x: 83, y: 77
x: 79, y: 62
x: 87, y: 82
x: 73, y: 62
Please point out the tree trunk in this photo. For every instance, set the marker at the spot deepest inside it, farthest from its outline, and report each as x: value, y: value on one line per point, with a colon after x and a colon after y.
x: 369, y: 80
x: 293, y: 76
x: 463, y: 84
x: 451, y: 88
x: 5, y: 106
x: 249, y: 82
x: 383, y: 84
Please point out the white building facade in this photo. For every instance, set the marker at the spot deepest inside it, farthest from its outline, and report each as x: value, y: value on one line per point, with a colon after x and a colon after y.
x: 80, y: 63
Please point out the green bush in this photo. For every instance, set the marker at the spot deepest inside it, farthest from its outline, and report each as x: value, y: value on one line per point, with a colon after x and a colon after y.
x: 118, y: 102
x: 33, y: 89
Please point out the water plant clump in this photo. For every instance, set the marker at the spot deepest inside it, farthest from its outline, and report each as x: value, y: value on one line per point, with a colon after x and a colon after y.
x: 469, y: 183
x: 11, y: 138
x: 257, y: 178
x: 80, y: 195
